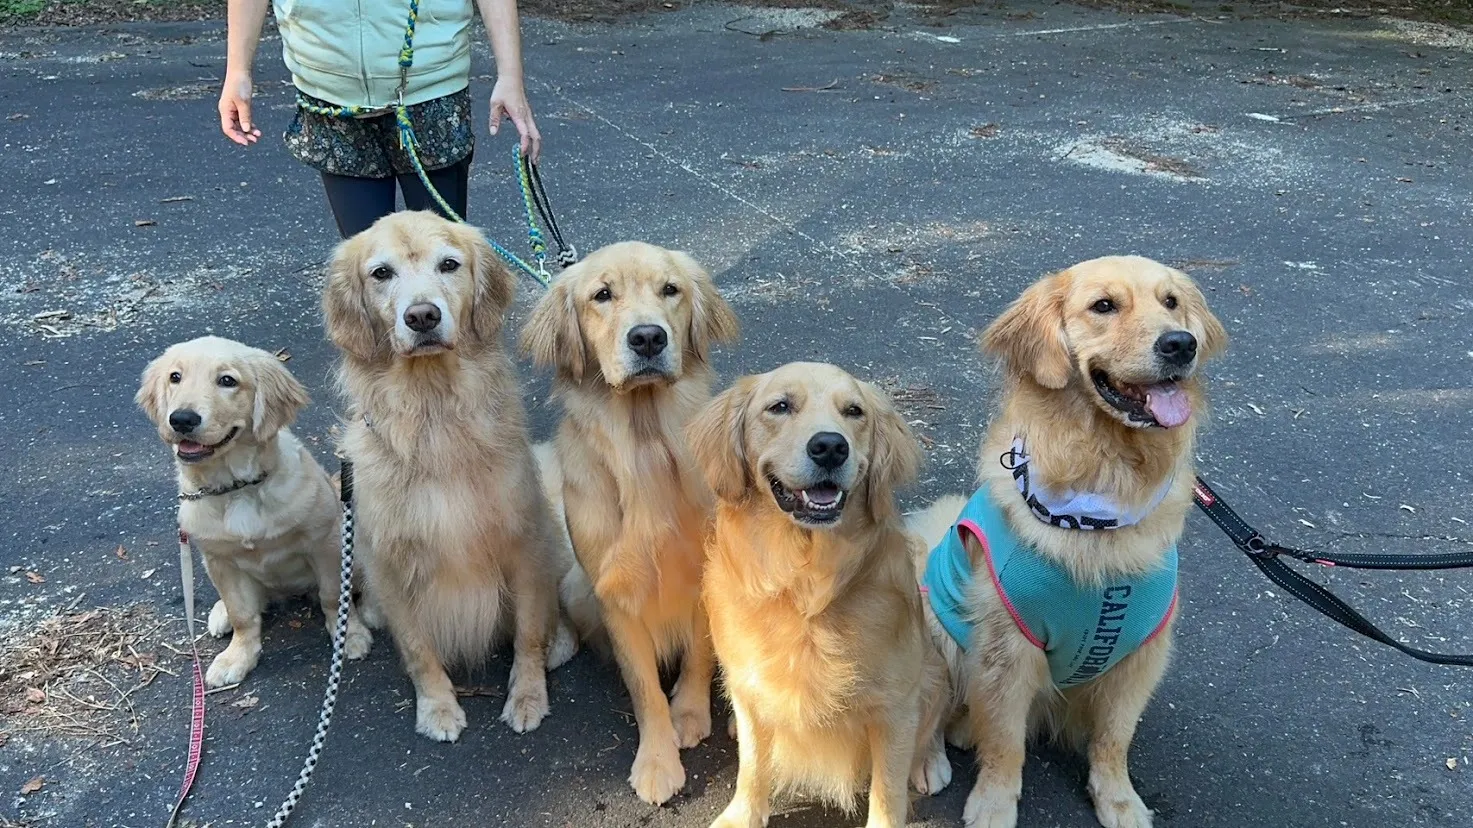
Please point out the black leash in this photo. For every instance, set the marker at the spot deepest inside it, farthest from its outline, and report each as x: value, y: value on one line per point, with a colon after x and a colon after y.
x: 1267, y: 557
x: 567, y: 254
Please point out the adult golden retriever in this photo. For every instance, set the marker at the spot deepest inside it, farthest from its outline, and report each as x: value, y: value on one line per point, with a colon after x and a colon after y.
x: 628, y: 331
x: 1087, y: 473
x: 457, y: 533
x: 813, y: 605
x: 262, y: 513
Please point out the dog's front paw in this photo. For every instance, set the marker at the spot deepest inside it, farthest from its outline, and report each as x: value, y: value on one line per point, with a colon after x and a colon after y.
x: 564, y: 646
x: 657, y: 774
x: 439, y: 719
x: 1119, y: 806
x: 738, y: 815
x: 219, y: 624
x: 931, y: 772
x: 526, y: 705
x: 692, y: 723
x: 357, y: 641
x: 991, y: 807
x: 369, y: 613
x: 232, y: 666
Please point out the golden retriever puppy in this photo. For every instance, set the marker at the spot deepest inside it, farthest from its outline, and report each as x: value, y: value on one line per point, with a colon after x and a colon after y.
x: 262, y: 513
x: 459, y: 537
x: 1052, y: 591
x: 628, y: 331
x: 812, y: 598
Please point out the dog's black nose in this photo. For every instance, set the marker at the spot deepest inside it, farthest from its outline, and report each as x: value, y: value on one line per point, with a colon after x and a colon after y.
x: 648, y: 340
x: 1177, y: 348
x: 422, y: 318
x: 828, y: 450
x: 184, y: 421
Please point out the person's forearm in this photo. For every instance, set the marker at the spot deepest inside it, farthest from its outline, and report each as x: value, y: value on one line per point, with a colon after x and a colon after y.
x: 244, y: 20
x: 504, y: 30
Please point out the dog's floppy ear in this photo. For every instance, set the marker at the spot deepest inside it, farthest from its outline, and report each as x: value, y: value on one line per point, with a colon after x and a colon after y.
x: 279, y: 396
x: 150, y: 396
x: 1029, y: 336
x: 895, y: 457
x: 494, y: 290
x: 345, y: 315
x: 717, y: 438
x: 1213, y: 338
x: 551, y: 335
x: 711, y: 318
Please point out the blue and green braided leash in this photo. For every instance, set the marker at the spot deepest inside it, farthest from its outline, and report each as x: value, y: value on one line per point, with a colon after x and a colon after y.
x: 410, y: 145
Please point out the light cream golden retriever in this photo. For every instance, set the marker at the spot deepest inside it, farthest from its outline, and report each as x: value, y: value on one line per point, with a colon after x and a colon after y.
x: 628, y: 330
x: 1086, y: 474
x: 458, y: 537
x: 262, y: 513
x: 813, y: 605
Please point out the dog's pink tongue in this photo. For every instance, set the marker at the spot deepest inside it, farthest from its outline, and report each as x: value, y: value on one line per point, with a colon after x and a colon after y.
x: 1168, y: 403
x: 823, y: 495
x: 190, y: 447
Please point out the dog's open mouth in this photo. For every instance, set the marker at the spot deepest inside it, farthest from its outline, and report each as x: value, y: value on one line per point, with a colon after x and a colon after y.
x: 1162, y: 404
x: 818, y: 505
x: 192, y: 452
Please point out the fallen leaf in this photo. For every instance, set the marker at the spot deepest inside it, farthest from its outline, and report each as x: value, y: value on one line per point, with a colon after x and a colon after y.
x: 144, y: 223
x: 1408, y: 508
x: 986, y: 131
x: 32, y: 786
x: 295, y: 624
x: 283, y: 355
x: 176, y: 199
x: 148, y: 573
x: 1245, y: 290
x: 35, y: 578
x: 1452, y: 763
x: 1403, y: 179
x: 34, y: 362
x: 121, y: 553
x: 246, y: 702
x: 35, y: 695
x: 19, y: 116
x: 1256, y: 409
x: 830, y: 85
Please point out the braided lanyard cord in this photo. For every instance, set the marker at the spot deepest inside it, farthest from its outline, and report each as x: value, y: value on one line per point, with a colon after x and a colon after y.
x: 335, y: 670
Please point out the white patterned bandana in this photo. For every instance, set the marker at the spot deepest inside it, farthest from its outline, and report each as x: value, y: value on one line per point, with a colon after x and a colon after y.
x: 1070, y: 509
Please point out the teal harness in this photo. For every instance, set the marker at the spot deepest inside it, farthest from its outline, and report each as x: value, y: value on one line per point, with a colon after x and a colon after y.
x: 1083, y: 630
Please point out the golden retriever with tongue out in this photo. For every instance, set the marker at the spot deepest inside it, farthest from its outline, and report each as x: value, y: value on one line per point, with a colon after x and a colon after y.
x: 1052, y: 591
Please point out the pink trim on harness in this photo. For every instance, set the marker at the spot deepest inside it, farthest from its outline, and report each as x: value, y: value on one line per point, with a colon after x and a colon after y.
x: 1165, y: 619
x: 976, y: 532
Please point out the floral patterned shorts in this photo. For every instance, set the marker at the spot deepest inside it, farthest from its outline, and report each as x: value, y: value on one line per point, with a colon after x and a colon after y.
x: 369, y: 147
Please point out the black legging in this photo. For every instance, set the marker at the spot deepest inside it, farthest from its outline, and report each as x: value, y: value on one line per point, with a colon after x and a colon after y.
x: 358, y: 202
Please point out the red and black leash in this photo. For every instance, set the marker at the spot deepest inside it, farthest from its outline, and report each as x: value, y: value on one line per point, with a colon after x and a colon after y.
x: 1268, y: 557
x: 197, y: 716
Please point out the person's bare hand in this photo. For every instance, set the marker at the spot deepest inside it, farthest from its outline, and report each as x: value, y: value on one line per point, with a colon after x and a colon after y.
x: 509, y: 99
x: 235, y: 110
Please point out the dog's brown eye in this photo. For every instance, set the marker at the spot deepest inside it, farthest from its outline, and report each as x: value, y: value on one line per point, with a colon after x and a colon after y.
x: 1103, y: 306
x: 1169, y: 302
x: 603, y: 295
x: 227, y: 381
x: 779, y: 407
x: 670, y: 290
x: 382, y: 273
x: 449, y: 265
x: 176, y: 378
x: 854, y: 411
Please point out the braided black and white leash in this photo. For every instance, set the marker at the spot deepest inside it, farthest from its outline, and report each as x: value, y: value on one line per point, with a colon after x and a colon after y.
x: 335, y: 671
